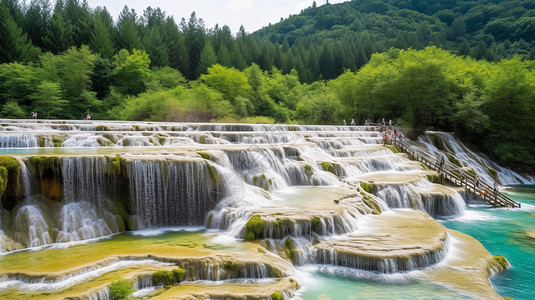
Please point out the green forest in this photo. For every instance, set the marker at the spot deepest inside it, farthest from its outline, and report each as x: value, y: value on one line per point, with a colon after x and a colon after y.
x: 460, y: 66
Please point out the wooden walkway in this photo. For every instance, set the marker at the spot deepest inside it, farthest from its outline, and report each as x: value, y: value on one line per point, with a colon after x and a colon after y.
x: 452, y: 173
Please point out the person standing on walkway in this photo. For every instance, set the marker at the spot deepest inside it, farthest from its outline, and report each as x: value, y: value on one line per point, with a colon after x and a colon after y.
x: 495, y: 187
x: 476, y: 181
x: 345, y: 123
x: 353, y: 122
x: 441, y: 165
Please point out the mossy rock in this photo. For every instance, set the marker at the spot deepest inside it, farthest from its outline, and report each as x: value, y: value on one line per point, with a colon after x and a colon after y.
x: 289, y: 248
x: 502, y: 261
x: 118, y: 166
x: 394, y: 149
x: 254, y: 227
x: 3, y: 180
x: 367, y: 187
x: 102, y: 128
x: 327, y: 166
x: 316, y: 224
x: 261, y: 250
x: 213, y: 173
x: 202, y: 140
x: 230, y: 266
x: 454, y: 161
x: 438, y: 142
x: 493, y: 174
x: 204, y: 155
x: 41, y: 142
x: 179, y: 274
x: 121, y: 289
x: 163, y: 277
x: 209, y: 220
x: 277, y: 296
x: 376, y: 212
x: 58, y: 140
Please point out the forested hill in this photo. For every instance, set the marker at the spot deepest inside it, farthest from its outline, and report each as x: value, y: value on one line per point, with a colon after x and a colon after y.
x: 486, y: 29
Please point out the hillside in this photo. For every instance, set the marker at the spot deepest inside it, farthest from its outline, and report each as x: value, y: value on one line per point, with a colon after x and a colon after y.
x: 488, y: 29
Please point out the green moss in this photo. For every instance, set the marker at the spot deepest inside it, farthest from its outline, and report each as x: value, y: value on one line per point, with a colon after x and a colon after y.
x: 102, y: 128
x: 308, y: 169
x: 4, y: 125
x: 493, y: 174
x: 299, y: 158
x: 41, y: 142
x: 433, y: 178
x: 42, y: 163
x: 471, y: 171
x: 277, y: 296
x: 58, y: 140
x: 118, y: 165
x: 376, y: 212
x: 179, y: 274
x: 3, y: 180
x: 163, y: 277
x: 120, y: 289
x: 136, y: 128
x: 202, y: 140
x: 255, y: 226
x: 213, y: 173
x: 316, y: 223
x: 507, y: 298
x: 289, y: 248
x: 230, y: 266
x: 438, y: 142
x: 326, y: 166
x: 261, y: 250
x: 454, y: 161
x: 502, y: 261
x: 209, y: 220
x: 367, y: 187
x: 394, y: 149
x: 204, y: 155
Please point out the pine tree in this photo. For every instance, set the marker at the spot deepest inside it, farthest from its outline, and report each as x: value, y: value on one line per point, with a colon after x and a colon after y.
x: 36, y: 21
x: 14, y: 44
x: 208, y: 58
x: 59, y: 36
x: 195, y: 36
x: 174, y: 40
x: 223, y: 57
x: 127, y: 31
x: 157, y: 50
x: 101, y: 41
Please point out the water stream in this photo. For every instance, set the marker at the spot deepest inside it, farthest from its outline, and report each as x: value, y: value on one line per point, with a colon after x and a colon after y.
x: 341, y: 214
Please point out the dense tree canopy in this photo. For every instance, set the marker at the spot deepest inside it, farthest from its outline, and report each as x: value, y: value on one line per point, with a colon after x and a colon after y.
x: 360, y: 59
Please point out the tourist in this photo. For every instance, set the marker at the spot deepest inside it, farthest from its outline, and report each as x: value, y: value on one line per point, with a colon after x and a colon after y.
x: 385, y: 138
x: 88, y: 117
x: 495, y: 187
x: 438, y: 161
x: 345, y: 123
x: 476, y: 181
x: 353, y: 122
x: 462, y: 176
x: 441, y: 164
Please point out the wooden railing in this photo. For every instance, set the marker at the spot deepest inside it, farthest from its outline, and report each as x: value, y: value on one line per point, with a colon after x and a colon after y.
x: 457, y: 176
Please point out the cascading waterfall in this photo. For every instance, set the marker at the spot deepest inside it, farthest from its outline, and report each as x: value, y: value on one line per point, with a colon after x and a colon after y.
x: 172, y: 192
x: 479, y: 162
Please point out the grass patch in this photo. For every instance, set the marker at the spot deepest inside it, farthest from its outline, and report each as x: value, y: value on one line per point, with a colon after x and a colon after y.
x: 163, y: 278
x: 179, y: 274
x: 327, y: 166
x: 230, y: 266
x: 121, y: 289
x: 501, y: 260
x: 277, y: 296
x: 367, y: 187
x: 254, y: 227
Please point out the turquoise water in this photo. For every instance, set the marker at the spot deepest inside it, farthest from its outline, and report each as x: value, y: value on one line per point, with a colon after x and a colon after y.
x: 501, y: 231
x: 504, y: 232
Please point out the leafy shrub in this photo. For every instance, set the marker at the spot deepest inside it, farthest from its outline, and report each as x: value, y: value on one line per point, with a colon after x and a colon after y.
x: 120, y: 289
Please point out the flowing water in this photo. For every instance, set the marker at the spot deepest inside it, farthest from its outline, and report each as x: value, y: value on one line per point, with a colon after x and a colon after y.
x: 341, y: 214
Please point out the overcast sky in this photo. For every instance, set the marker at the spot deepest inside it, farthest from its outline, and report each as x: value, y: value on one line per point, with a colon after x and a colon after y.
x: 252, y: 14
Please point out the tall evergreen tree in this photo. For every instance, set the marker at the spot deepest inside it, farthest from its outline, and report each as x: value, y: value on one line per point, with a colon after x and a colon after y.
x: 157, y: 50
x: 36, y: 21
x: 174, y: 40
x: 127, y: 31
x: 208, y: 58
x: 14, y: 44
x: 59, y: 35
x: 101, y: 41
x: 195, y: 36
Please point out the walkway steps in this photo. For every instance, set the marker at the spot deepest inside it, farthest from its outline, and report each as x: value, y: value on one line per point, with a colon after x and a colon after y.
x: 452, y: 173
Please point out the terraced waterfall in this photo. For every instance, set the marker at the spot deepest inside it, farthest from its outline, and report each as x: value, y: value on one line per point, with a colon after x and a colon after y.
x: 241, y: 209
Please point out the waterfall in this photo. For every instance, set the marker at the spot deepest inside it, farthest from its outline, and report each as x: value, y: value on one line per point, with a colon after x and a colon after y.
x: 31, y: 225
x: 172, y: 192
x: 80, y: 221
x: 84, y: 178
x: 18, y: 140
x: 479, y: 162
